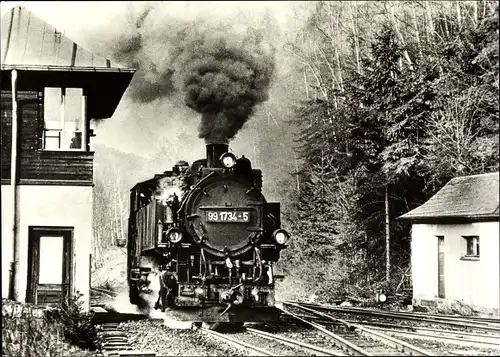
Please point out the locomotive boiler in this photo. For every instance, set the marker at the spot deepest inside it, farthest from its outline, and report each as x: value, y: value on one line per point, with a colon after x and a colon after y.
x: 207, y: 230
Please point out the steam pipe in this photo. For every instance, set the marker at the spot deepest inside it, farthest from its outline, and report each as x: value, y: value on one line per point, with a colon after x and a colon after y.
x: 14, y: 284
x: 260, y: 264
x: 204, y: 265
x: 214, y: 152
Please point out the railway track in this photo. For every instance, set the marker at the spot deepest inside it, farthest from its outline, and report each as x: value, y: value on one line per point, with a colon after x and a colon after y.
x: 114, y: 341
x: 276, y: 345
x: 304, y: 346
x: 325, y: 342
x: 471, y: 324
x: 464, y: 339
x: 479, y: 339
x: 238, y: 343
x: 427, y: 338
x: 359, y: 340
x: 318, y: 333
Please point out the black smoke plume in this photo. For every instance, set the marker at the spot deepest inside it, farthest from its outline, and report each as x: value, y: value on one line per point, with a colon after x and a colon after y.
x: 221, y: 71
x: 149, y: 83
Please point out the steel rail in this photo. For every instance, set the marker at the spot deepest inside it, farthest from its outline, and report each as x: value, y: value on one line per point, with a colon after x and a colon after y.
x: 361, y: 310
x: 233, y: 341
x: 338, y: 341
x: 388, y: 340
x: 464, y: 319
x: 316, y: 350
x: 404, y: 316
x: 479, y: 319
x: 320, y: 319
x: 439, y: 337
x: 470, y: 335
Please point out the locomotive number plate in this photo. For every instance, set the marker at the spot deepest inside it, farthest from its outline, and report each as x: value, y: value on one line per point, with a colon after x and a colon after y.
x: 228, y: 216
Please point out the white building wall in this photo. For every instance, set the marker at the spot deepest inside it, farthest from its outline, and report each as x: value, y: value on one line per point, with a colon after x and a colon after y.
x: 474, y: 282
x: 7, y: 233
x: 68, y: 206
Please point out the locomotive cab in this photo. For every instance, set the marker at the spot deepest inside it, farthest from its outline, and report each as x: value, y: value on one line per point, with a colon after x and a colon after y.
x: 213, y: 225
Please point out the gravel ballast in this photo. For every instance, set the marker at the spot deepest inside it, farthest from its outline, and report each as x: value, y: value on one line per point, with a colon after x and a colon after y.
x: 154, y: 336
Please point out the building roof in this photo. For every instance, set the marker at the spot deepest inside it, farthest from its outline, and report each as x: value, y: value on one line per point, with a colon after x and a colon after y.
x: 44, y: 56
x: 30, y: 41
x: 467, y: 197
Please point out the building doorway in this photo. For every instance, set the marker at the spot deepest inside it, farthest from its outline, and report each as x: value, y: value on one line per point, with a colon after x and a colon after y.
x: 441, y: 293
x: 50, y: 265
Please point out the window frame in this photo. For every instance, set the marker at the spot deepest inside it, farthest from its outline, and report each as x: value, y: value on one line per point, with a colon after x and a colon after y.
x: 84, y: 124
x: 476, y: 254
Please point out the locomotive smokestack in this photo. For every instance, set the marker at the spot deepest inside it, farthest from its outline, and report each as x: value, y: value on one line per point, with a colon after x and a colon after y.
x: 214, y: 152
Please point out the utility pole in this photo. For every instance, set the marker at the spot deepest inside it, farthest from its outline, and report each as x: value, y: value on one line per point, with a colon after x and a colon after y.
x: 387, y: 236
x: 16, y: 247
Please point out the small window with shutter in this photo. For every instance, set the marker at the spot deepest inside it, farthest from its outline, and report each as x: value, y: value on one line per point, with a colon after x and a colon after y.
x: 470, y: 247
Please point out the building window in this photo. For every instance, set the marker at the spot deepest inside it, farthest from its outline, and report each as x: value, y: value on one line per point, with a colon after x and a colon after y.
x: 64, y: 113
x: 471, y: 247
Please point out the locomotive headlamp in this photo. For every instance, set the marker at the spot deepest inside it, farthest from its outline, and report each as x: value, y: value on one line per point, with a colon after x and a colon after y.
x: 281, y: 236
x: 174, y: 235
x: 228, y: 160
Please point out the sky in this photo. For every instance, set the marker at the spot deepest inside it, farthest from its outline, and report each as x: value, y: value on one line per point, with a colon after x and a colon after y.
x: 166, y: 124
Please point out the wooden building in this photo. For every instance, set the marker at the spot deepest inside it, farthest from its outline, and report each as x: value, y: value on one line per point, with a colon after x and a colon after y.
x: 455, y: 244
x: 51, y: 89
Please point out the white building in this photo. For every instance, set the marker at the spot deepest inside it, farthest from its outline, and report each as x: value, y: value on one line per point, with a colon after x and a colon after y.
x: 455, y: 244
x: 47, y: 166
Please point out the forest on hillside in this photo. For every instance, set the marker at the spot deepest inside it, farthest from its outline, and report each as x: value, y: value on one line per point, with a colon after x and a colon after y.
x: 397, y: 99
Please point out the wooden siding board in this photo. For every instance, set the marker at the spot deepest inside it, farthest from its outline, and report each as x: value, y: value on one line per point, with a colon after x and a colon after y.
x: 29, y: 112
x: 6, y: 137
x: 59, y: 161
x: 51, y: 182
x: 37, y: 165
x: 61, y: 174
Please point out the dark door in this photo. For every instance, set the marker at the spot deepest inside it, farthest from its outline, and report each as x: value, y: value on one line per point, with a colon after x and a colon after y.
x: 50, y: 272
x: 441, y: 266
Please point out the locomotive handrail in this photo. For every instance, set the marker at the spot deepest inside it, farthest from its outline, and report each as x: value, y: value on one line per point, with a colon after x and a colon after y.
x: 205, y: 265
x: 260, y: 264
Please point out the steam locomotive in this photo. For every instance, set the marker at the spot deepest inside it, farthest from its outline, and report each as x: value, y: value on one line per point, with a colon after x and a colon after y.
x: 212, y: 238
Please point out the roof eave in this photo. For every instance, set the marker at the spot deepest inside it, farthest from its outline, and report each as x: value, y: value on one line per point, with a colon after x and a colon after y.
x: 105, y: 87
x: 23, y: 67
x: 449, y: 218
